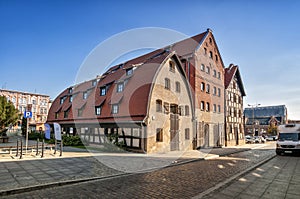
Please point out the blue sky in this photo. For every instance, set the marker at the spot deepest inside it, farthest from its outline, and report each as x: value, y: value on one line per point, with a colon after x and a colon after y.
x: 44, y: 42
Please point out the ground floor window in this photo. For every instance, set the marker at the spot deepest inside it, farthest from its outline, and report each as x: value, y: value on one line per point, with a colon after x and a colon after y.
x: 159, y: 135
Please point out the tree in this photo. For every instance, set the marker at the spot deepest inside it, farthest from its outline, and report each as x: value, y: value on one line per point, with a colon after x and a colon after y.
x: 9, y: 115
x: 272, y: 130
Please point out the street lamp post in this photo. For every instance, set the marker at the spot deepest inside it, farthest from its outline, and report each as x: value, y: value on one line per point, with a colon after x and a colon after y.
x: 253, y: 106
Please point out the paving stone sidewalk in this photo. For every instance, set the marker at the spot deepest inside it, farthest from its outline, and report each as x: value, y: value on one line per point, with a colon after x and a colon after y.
x: 79, y: 165
x: 277, y: 178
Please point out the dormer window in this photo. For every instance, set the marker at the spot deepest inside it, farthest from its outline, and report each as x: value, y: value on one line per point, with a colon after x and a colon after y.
x: 98, y: 110
x: 70, y: 90
x: 120, y: 87
x: 115, y: 109
x: 129, y: 71
x: 94, y: 82
x: 85, y: 94
x: 102, y: 91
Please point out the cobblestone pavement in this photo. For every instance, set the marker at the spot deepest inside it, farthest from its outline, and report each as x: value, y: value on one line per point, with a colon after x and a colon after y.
x: 278, y: 178
x: 183, y: 181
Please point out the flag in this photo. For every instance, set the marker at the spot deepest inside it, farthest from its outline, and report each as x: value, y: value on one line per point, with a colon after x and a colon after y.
x: 47, y: 131
x: 57, y: 131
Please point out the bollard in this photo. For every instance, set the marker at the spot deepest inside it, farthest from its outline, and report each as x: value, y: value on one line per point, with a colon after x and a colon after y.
x: 21, y: 150
x: 61, y: 147
x: 55, y: 145
x: 37, y: 146
x: 17, y: 153
x: 43, y: 148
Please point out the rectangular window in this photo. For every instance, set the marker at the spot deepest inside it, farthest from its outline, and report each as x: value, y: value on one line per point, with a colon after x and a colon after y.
x: 207, y: 107
x: 94, y: 82
x: 215, y: 73
x: 187, y: 133
x: 202, y: 86
x: 219, y: 75
x: 215, y: 91
x: 215, y: 108
x: 187, y: 110
x: 85, y: 95
x: 159, y: 135
x: 66, y: 114
x: 202, y: 106
x: 174, y: 108
x: 70, y: 90
x: 120, y: 87
x: 71, y: 98
x: 177, y: 87
x: 115, y: 108
x: 167, y: 84
x: 219, y: 109
x: 207, y: 88
x: 202, y: 67
x: 219, y: 92
x: 172, y: 66
x: 129, y: 71
x: 207, y: 70
x: 166, y: 108
x: 61, y: 100
x: 98, y: 110
x: 181, y: 110
x: 102, y: 91
x: 158, y: 106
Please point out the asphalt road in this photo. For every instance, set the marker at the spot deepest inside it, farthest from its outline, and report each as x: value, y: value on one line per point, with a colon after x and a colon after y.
x: 183, y: 181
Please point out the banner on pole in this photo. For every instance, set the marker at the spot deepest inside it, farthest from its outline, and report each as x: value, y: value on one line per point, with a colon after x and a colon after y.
x: 57, y: 131
x: 47, y: 131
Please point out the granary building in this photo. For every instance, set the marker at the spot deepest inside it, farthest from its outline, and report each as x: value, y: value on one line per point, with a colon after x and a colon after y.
x: 146, y: 102
x: 169, y: 99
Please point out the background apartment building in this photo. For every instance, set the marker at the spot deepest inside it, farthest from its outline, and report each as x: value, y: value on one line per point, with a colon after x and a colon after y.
x: 38, y: 104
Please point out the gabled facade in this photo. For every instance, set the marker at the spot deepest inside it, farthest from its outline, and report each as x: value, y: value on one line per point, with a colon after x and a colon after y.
x: 234, y: 118
x: 205, y: 71
x: 145, y: 103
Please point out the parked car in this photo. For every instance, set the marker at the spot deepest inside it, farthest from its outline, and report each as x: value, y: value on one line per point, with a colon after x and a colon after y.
x: 249, y: 139
x: 259, y: 139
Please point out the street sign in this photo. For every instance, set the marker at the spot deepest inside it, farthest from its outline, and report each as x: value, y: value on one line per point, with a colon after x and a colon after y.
x: 27, y: 114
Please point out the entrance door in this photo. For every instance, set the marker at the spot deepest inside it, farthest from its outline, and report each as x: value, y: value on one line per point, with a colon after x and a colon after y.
x: 174, y: 132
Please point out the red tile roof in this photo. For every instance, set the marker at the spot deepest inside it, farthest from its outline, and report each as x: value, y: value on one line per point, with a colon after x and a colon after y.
x: 133, y: 101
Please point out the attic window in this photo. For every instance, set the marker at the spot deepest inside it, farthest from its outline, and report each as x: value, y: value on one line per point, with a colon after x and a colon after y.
x: 94, y: 82
x: 210, y: 54
x: 129, y: 71
x: 102, y: 91
x: 205, y: 51
x: 120, y: 87
x: 71, y: 98
x: 172, y: 66
x: 98, y: 110
x: 115, y: 109
x: 70, y: 90
x: 85, y: 95
x: 210, y: 40
x: 217, y: 58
